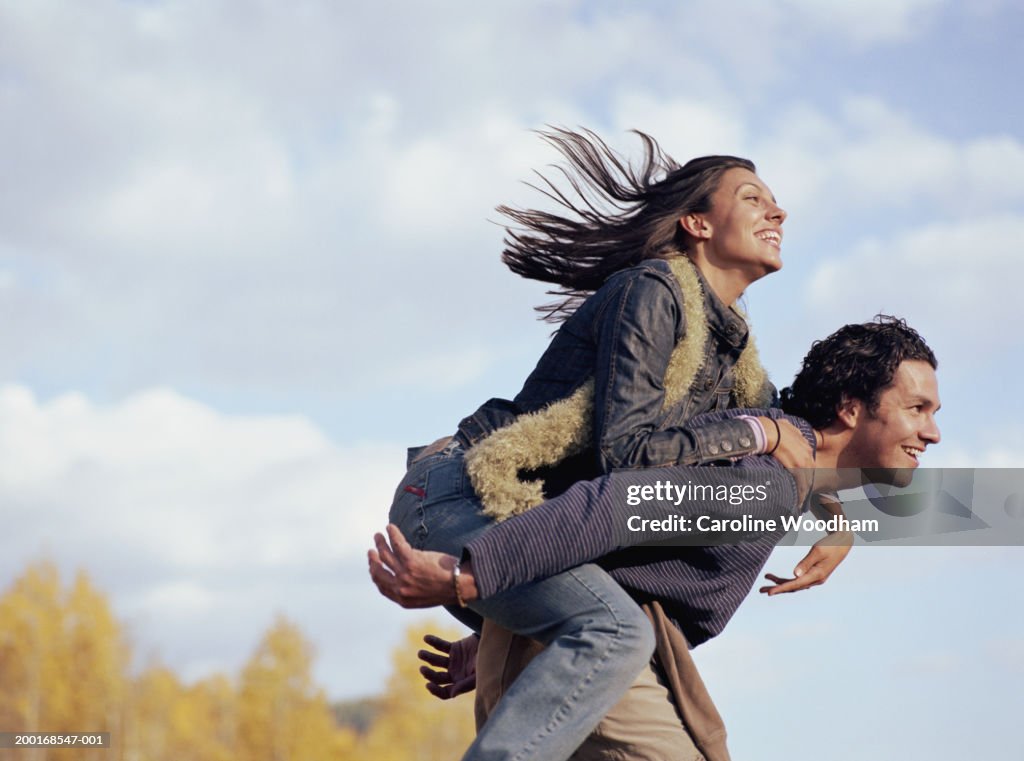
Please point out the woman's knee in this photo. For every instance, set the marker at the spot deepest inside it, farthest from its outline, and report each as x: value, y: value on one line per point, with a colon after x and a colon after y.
x: 637, y: 633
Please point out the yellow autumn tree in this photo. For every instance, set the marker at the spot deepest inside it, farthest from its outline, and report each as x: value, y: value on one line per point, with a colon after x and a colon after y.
x: 155, y: 696
x: 64, y: 668
x: 97, y: 660
x: 213, y: 722
x: 31, y: 620
x: 412, y: 723
x: 170, y: 721
x: 63, y: 659
x: 282, y: 715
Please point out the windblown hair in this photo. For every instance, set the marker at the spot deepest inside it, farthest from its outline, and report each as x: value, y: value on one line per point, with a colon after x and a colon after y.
x: 618, y: 214
x: 855, y: 362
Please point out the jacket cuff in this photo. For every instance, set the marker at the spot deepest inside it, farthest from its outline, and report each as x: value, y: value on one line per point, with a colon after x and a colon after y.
x: 724, y: 440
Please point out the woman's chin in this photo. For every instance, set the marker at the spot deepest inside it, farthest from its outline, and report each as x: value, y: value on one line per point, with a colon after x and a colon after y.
x: 767, y: 267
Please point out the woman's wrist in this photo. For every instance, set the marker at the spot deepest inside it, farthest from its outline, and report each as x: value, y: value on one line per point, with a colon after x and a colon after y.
x: 773, y: 434
x: 757, y: 430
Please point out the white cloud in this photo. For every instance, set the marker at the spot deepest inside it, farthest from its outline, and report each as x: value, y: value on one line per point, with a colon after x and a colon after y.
x: 698, y: 127
x: 182, y: 514
x: 165, y: 478
x: 956, y: 280
x: 868, y: 21
x: 208, y: 206
x: 875, y: 161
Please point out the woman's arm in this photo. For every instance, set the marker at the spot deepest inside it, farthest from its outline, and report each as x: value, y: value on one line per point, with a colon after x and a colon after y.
x: 636, y: 331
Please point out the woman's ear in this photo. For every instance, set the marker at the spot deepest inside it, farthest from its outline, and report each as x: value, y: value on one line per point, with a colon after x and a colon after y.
x: 696, y: 226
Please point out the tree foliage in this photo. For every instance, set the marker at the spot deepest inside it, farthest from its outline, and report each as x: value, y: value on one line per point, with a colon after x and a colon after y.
x: 65, y: 666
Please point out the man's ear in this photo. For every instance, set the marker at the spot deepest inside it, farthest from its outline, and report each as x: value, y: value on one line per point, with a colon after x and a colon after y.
x: 850, y: 411
x: 696, y: 225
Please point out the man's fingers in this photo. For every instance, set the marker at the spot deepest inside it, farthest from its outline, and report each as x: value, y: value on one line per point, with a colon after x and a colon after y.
x: 444, y: 693
x: 784, y: 586
x: 805, y: 565
x: 387, y: 557
x: 781, y: 587
x: 434, y: 659
x: 402, y: 548
x: 383, y: 578
x: 436, y: 677
x: 811, y: 559
x: 438, y: 643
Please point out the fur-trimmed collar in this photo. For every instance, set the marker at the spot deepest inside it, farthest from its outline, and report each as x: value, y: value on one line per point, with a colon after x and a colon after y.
x: 565, y: 427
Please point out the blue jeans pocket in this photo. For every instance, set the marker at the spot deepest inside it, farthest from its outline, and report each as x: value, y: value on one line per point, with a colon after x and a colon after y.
x: 435, y: 507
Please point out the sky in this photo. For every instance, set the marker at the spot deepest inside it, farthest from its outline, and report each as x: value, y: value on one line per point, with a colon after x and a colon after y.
x: 249, y: 253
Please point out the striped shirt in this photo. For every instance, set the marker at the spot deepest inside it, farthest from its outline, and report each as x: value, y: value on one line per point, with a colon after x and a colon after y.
x: 699, y: 587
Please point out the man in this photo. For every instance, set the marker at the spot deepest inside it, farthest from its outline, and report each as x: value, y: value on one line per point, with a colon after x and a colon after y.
x: 867, y: 396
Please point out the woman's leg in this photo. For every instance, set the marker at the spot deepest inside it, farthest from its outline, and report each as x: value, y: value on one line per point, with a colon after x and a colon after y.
x: 598, y: 638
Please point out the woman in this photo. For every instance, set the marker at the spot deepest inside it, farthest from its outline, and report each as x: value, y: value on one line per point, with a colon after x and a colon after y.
x: 649, y: 261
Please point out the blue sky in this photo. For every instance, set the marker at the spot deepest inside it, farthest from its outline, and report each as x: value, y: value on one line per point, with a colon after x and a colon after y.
x: 248, y: 254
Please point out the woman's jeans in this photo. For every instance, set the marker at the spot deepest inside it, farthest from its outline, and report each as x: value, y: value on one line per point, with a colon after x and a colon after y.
x: 597, y: 638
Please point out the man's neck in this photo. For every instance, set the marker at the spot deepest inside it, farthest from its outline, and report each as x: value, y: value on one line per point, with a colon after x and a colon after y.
x: 828, y: 475
x: 829, y: 444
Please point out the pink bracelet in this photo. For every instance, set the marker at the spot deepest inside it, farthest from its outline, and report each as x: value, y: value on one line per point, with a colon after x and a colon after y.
x: 760, y: 437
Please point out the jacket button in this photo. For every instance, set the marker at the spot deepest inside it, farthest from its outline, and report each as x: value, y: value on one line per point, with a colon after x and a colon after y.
x: 713, y: 449
x: 726, y: 446
x: 744, y: 441
x: 708, y: 384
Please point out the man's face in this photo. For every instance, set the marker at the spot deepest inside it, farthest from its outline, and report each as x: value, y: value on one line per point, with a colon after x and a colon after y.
x: 888, y: 442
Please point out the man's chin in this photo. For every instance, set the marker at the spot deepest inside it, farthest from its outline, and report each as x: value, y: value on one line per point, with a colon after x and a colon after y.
x: 898, y: 477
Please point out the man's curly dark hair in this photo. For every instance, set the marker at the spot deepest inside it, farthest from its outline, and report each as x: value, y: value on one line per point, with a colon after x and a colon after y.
x: 855, y: 362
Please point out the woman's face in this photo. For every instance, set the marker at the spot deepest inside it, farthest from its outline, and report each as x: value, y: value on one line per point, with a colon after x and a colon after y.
x: 743, y: 229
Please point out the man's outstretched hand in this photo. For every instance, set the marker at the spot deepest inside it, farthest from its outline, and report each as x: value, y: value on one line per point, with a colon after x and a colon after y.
x: 816, y: 566
x: 415, y: 578
x: 458, y: 661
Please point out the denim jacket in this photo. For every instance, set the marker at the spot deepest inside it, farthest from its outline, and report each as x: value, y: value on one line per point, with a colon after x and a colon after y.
x: 623, y: 336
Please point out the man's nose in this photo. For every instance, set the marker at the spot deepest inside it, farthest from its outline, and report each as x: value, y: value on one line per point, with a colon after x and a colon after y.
x: 930, y: 432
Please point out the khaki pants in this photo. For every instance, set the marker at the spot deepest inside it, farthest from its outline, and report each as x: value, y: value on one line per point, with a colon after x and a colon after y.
x: 643, y: 726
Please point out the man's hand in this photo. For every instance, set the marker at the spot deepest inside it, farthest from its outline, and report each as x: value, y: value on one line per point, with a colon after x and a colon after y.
x: 816, y: 566
x: 415, y: 578
x: 459, y: 664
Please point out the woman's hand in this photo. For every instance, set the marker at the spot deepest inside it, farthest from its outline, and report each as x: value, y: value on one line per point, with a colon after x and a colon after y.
x: 416, y: 578
x: 458, y: 659
x: 787, y: 444
x: 793, y: 452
